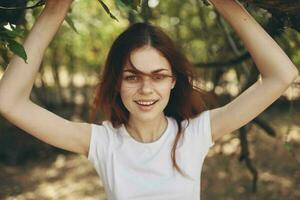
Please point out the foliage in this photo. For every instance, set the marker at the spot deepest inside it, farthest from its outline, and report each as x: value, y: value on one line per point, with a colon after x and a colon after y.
x: 12, y: 16
x: 8, y: 37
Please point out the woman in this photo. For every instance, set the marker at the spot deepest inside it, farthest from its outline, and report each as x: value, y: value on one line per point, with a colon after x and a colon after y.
x: 141, y: 94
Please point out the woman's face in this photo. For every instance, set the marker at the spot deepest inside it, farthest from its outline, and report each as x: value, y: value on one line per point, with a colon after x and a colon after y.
x: 146, y: 92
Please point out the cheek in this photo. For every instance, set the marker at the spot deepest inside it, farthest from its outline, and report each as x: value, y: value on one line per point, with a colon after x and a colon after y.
x: 126, y: 96
x: 165, y: 94
x: 126, y: 92
x: 167, y: 90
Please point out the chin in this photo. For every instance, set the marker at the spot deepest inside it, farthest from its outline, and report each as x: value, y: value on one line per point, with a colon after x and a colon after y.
x: 150, y: 116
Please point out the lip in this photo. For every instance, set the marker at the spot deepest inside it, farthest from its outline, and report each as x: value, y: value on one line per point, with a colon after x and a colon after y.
x: 146, y: 107
x: 146, y: 100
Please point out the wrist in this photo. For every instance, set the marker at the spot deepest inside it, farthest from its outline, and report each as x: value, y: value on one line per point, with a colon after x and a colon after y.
x: 229, y: 8
x: 225, y: 4
x: 58, y: 6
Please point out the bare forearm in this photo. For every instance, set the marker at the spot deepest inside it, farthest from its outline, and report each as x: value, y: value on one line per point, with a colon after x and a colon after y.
x: 270, y: 59
x: 18, y: 79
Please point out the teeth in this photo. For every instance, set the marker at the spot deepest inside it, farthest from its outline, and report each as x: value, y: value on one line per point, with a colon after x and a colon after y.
x: 146, y: 103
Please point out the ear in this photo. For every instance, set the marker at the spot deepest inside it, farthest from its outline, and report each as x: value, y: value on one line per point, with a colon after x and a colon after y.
x: 173, y: 83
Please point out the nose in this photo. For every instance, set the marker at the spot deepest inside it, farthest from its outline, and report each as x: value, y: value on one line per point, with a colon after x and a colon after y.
x: 146, y: 86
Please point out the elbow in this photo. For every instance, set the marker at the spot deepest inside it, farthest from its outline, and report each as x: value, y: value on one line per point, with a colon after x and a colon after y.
x: 295, y: 75
x: 285, y: 80
x: 2, y: 104
x: 3, y: 110
x: 5, y: 106
x: 9, y: 101
x: 290, y: 77
x: 7, y: 109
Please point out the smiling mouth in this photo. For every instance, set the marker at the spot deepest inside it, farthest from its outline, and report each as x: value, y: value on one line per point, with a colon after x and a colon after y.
x: 146, y: 103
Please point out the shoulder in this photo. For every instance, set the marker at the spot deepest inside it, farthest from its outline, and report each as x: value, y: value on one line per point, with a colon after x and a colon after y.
x: 107, y: 125
x: 103, y: 136
x: 199, y: 123
x: 200, y: 120
x: 197, y: 130
x: 104, y: 128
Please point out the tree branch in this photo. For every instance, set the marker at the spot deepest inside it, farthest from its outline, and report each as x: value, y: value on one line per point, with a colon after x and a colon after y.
x: 227, y: 63
x: 38, y: 4
x: 245, y: 156
x: 290, y: 7
x: 265, y: 126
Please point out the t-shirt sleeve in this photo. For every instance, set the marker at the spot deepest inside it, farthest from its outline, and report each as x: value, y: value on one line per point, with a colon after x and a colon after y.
x: 201, y: 129
x: 99, y: 145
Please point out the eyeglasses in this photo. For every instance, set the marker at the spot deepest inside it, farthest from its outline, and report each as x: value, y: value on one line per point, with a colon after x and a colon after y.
x: 157, y: 80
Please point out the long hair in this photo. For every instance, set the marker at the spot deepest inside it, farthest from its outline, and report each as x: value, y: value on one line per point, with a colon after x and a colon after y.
x: 185, y: 99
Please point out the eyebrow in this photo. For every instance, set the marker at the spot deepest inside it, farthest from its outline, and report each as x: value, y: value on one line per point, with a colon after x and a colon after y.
x: 135, y: 71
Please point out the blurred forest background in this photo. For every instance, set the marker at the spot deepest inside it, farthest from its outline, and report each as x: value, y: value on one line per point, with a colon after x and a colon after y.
x: 259, y: 161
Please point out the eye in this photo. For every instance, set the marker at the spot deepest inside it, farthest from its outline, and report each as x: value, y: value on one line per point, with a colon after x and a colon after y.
x: 131, y: 78
x: 158, y: 77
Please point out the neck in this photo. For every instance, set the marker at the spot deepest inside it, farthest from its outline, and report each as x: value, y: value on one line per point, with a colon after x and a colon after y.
x: 147, y: 131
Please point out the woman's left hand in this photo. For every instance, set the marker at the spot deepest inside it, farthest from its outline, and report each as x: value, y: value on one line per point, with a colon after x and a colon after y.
x: 58, y: 4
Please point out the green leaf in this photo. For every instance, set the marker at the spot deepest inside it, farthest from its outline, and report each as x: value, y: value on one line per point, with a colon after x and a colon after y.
x: 10, y: 34
x: 105, y: 7
x: 206, y: 2
x: 71, y: 23
x: 17, y: 49
x: 134, y: 4
x: 19, y: 31
x: 13, y: 34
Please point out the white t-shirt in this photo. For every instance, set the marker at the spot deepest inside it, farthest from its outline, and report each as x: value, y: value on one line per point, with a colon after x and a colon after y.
x: 132, y: 170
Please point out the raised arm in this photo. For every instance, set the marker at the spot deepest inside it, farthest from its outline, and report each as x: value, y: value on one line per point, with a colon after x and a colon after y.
x: 18, y: 79
x: 276, y: 70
